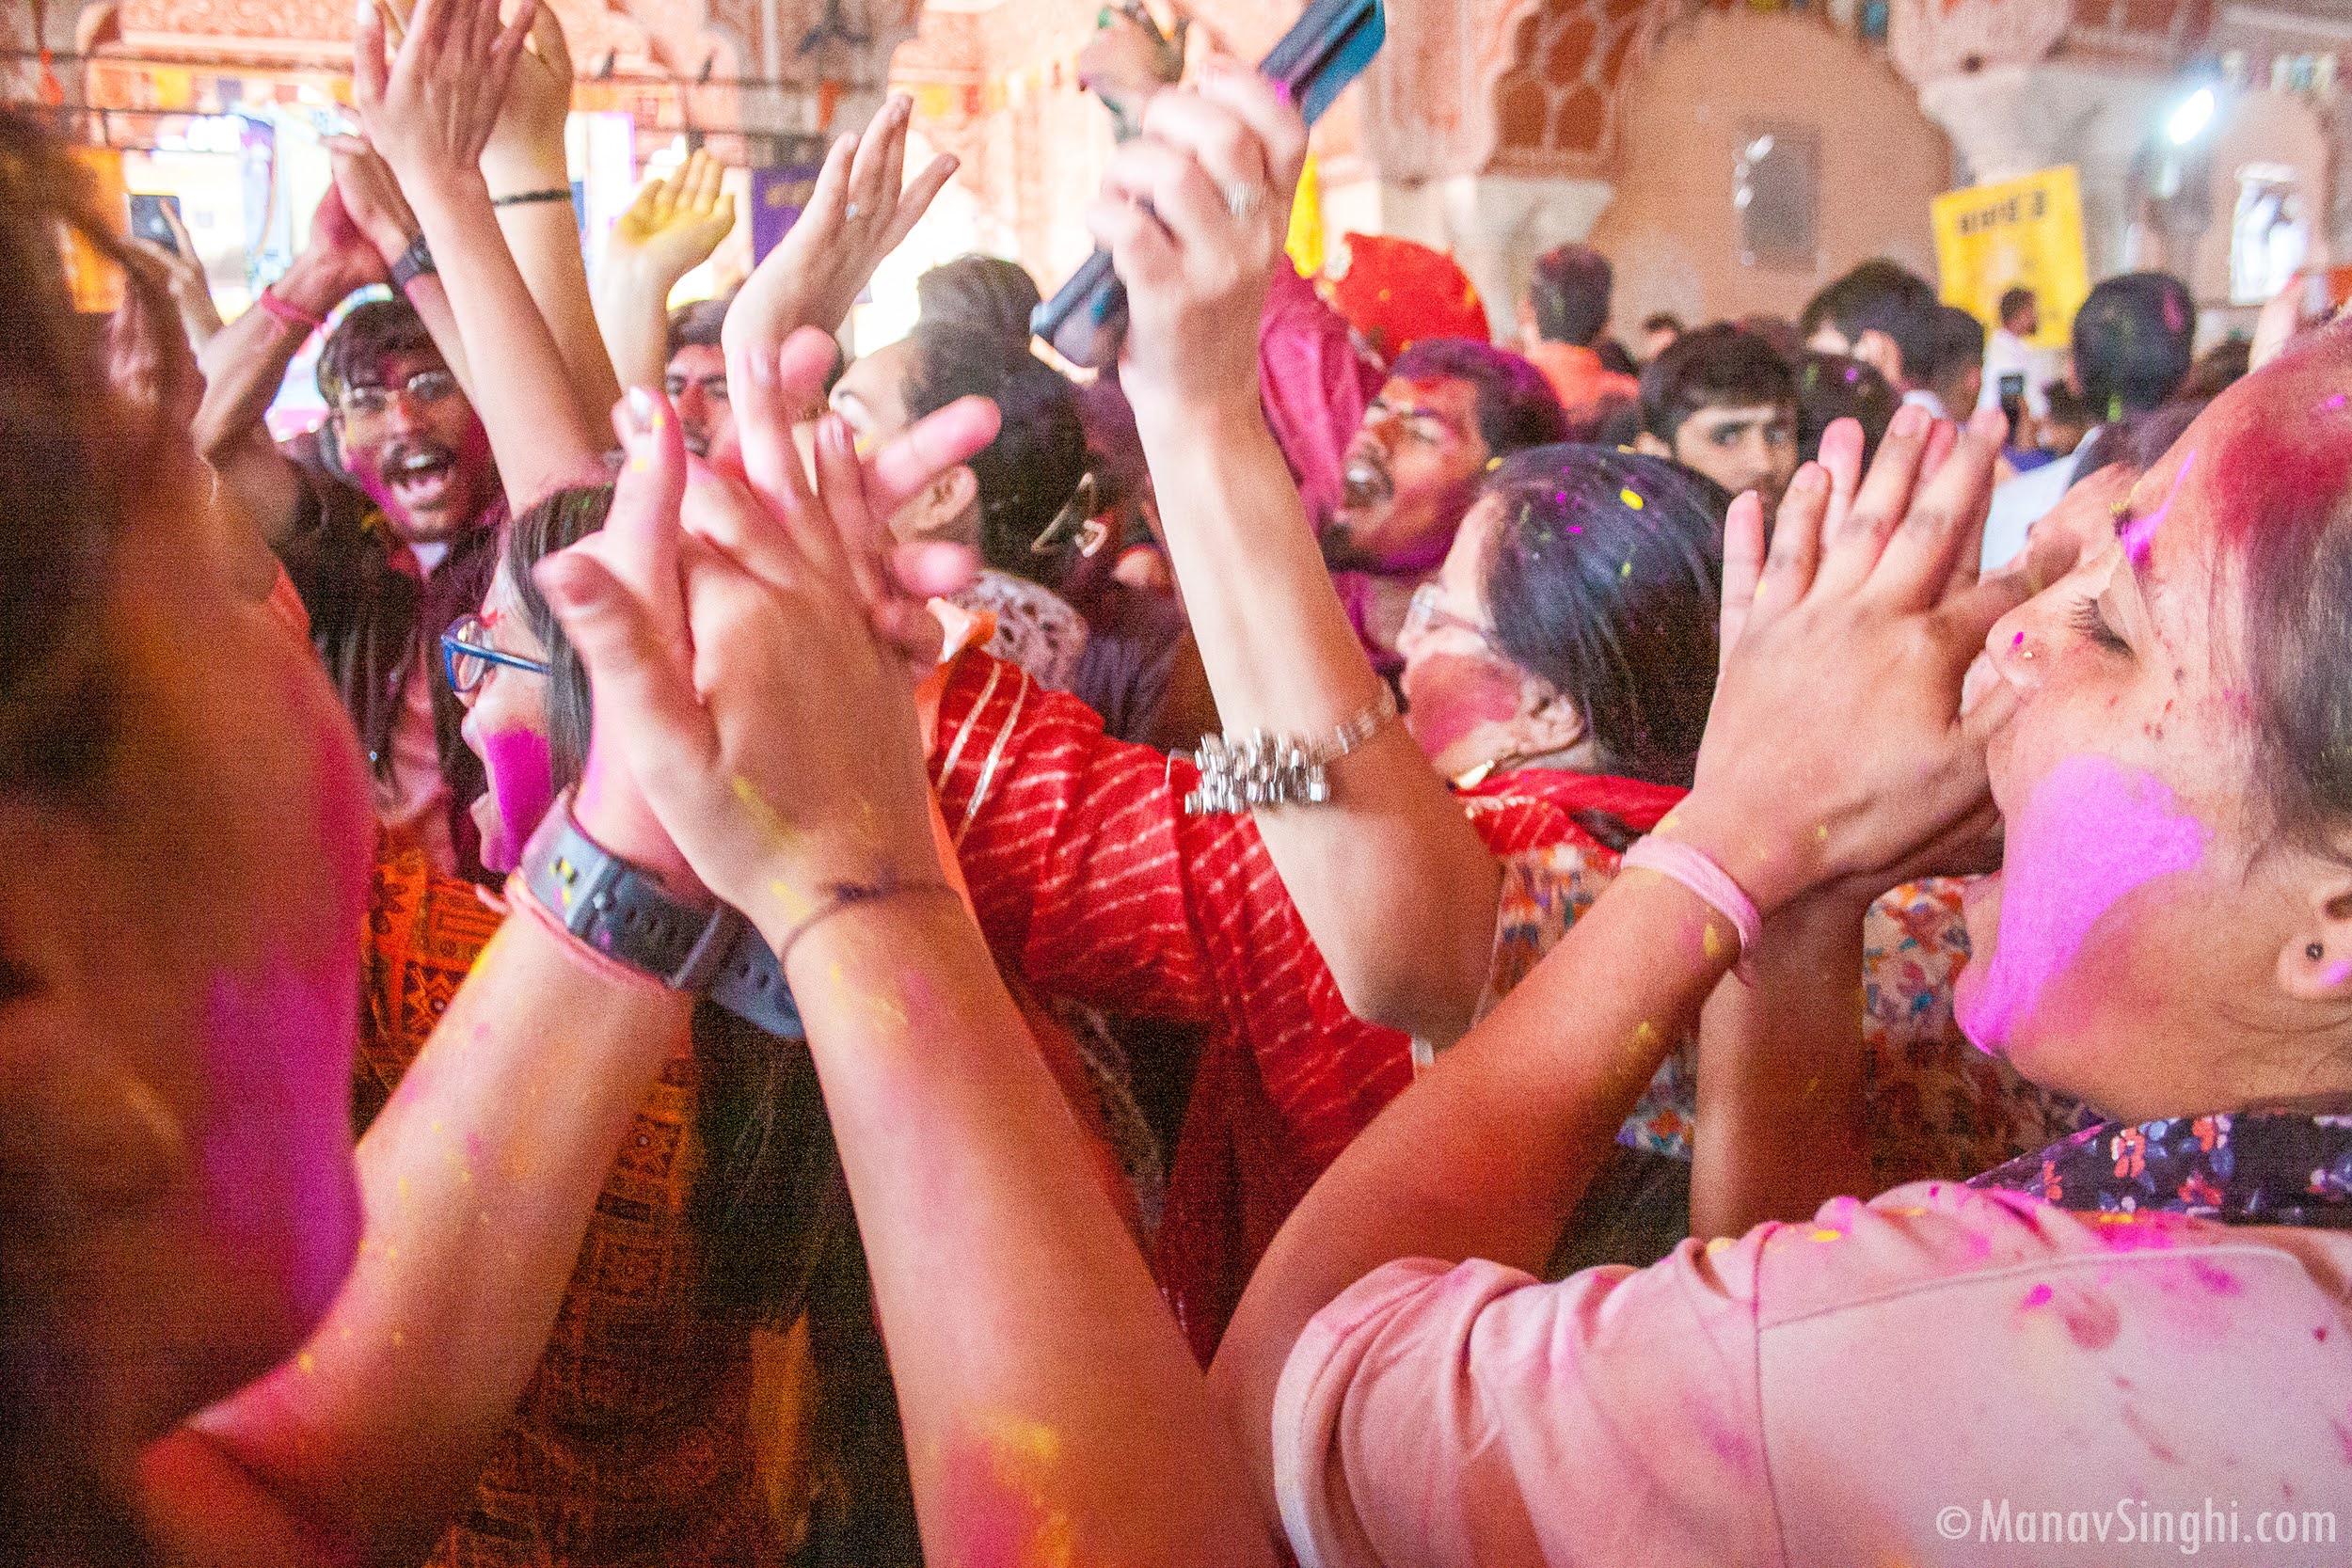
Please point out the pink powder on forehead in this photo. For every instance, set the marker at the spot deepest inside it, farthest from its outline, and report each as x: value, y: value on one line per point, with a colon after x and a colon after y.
x: 522, y: 786
x: 2092, y: 832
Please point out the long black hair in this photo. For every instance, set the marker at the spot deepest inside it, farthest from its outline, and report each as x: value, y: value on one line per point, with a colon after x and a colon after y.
x: 1604, y: 581
x: 768, y: 1204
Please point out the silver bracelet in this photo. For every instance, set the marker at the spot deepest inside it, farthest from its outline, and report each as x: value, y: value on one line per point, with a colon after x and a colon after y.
x: 1262, y: 769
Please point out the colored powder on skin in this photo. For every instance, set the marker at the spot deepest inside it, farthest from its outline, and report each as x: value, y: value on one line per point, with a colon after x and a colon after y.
x: 2337, y: 972
x: 2139, y: 535
x: 522, y: 788
x: 2091, y: 832
x: 994, y: 1490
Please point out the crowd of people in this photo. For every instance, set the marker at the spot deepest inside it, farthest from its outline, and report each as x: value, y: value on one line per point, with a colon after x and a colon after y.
x: 662, y: 944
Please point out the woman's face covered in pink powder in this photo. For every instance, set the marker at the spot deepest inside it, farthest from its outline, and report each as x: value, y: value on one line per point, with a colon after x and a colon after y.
x: 507, y: 725
x: 2138, y: 949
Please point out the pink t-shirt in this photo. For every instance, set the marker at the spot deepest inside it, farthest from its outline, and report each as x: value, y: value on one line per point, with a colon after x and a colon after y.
x: 1941, y: 1375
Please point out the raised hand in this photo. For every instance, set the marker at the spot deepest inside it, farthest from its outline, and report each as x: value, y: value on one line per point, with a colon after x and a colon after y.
x: 371, y: 197
x: 674, y: 226
x: 526, y: 146
x: 429, y: 104
x: 862, y: 208
x: 1194, y: 213
x: 1836, y: 748
x: 737, y: 671
x: 180, y: 275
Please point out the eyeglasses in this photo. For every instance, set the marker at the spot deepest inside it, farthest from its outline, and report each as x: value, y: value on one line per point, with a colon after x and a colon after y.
x: 466, y: 655
x: 1426, y: 612
x: 368, y: 403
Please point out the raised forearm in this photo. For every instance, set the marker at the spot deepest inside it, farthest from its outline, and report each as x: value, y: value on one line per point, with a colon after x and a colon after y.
x: 1780, y: 1128
x: 541, y: 442
x: 245, y: 363
x: 429, y: 297
x: 544, y: 237
x: 1487, y: 1155
x: 1391, y: 880
x: 632, y: 314
x: 1053, y: 1372
x: 477, y: 1180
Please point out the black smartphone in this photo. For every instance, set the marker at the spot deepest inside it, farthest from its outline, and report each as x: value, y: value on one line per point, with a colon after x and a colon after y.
x: 1326, y: 48
x: 149, y: 223
x: 2013, y: 396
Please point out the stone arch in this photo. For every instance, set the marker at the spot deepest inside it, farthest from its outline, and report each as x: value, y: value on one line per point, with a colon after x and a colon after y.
x: 1707, y: 86
x: 1558, y: 72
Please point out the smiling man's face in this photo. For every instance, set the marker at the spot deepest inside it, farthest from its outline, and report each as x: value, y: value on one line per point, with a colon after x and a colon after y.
x: 411, y: 441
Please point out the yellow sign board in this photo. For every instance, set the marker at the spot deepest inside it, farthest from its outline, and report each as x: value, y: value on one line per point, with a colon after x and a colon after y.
x: 2020, y: 233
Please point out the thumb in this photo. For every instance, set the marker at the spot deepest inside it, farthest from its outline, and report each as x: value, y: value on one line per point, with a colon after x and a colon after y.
x: 641, y: 684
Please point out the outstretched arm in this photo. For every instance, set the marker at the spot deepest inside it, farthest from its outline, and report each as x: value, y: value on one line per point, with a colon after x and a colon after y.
x: 1487, y: 1155
x: 428, y: 107
x: 671, y: 229
x: 1395, y: 884
x: 1051, y: 1407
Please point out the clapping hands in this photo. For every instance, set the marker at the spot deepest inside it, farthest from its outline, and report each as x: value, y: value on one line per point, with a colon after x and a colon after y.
x: 747, y: 642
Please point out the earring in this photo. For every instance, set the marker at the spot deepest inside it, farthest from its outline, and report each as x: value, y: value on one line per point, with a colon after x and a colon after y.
x: 2314, y: 952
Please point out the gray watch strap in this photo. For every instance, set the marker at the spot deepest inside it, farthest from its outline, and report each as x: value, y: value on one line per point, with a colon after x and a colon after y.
x: 624, y: 912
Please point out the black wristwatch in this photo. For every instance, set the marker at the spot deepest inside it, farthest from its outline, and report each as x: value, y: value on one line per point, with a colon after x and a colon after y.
x: 624, y: 912
x: 414, y: 262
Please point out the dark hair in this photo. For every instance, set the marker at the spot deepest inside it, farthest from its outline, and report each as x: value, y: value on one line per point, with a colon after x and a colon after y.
x: 2133, y: 339
x: 370, y: 333
x: 1662, y: 321
x: 2292, y: 520
x: 1570, y: 294
x: 1604, y: 581
x: 1615, y: 421
x: 2216, y: 369
x: 696, y: 325
x: 760, y: 1200
x: 1721, y: 366
x: 768, y: 1205
x: 1029, y: 472
x: 1779, y: 331
x: 64, y: 437
x: 1615, y: 355
x: 1516, y: 407
x: 2012, y: 301
x: 1958, y: 344
x: 1881, y: 296
x: 987, y: 293
x: 1833, y: 386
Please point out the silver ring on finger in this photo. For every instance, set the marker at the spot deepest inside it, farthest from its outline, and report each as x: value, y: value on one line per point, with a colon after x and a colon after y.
x: 1243, y: 199
x: 851, y: 213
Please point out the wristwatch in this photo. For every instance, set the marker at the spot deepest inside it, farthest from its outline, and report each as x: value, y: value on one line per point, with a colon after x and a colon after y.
x: 623, y: 911
x: 413, y: 263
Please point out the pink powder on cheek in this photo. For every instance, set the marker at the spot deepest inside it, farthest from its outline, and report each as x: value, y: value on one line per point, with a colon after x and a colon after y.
x: 522, y: 786
x: 2091, y: 832
x: 1452, y: 696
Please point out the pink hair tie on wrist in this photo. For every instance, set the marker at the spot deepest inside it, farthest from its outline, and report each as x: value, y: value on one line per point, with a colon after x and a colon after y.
x: 287, y: 314
x: 1696, y: 869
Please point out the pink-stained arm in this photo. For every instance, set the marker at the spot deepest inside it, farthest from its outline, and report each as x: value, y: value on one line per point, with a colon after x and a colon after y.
x: 477, y: 1179
x: 1559, y: 1063
x: 1054, y: 1399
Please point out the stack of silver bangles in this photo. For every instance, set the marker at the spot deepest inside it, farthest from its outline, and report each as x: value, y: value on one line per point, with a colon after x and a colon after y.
x: 1262, y: 769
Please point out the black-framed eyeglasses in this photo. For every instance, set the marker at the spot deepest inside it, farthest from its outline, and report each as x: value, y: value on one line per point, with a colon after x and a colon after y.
x: 369, y: 402
x: 466, y: 655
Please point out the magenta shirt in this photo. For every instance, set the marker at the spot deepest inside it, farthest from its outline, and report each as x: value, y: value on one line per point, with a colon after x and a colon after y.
x: 1941, y: 1375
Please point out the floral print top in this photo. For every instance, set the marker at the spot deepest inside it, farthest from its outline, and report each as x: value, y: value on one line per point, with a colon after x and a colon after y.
x: 1938, y: 1107
x: 2270, y: 1167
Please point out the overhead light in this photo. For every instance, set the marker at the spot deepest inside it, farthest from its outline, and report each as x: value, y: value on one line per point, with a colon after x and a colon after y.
x: 2190, y: 120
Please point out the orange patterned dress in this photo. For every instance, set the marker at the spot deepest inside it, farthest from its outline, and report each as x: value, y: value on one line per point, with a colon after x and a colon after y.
x: 634, y: 1444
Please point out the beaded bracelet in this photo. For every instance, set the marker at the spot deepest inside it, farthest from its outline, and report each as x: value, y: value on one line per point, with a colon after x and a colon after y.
x: 1262, y: 769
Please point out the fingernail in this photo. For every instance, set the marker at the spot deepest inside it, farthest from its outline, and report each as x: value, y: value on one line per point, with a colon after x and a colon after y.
x: 639, y: 405
x: 1810, y: 478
